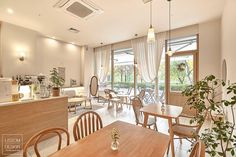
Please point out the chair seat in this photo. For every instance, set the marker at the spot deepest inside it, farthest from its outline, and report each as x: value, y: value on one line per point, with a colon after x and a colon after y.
x: 184, y: 131
x: 151, y: 121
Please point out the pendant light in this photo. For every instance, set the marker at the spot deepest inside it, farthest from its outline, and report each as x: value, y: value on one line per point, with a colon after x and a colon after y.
x: 151, y: 31
x: 169, y: 51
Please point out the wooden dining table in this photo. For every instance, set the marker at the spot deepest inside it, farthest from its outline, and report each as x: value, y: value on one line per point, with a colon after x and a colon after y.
x: 135, y: 141
x: 168, y: 112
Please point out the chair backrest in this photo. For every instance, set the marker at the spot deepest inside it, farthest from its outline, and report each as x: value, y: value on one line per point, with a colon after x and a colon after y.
x: 86, y: 124
x: 141, y: 95
x: 93, y: 87
x: 107, y: 91
x: 199, y: 125
x: 110, y: 93
x: 137, y: 105
x: 43, y: 134
x: 198, y: 150
x: 129, y: 90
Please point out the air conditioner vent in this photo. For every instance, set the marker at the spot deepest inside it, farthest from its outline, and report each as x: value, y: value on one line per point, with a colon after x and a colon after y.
x: 79, y: 8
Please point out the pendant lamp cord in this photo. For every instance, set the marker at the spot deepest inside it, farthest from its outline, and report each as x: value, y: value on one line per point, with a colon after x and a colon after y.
x: 151, y: 14
x: 169, y: 22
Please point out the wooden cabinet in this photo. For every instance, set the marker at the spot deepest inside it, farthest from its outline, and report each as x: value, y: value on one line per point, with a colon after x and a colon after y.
x: 30, y: 117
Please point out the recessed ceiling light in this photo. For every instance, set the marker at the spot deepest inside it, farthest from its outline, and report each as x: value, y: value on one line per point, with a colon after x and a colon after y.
x: 10, y: 11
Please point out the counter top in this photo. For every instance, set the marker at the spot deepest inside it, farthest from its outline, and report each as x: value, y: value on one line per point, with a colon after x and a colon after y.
x: 2, y: 104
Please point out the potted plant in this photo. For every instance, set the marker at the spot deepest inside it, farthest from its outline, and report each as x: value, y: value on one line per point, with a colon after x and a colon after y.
x: 205, y: 97
x: 115, y: 136
x: 57, y: 82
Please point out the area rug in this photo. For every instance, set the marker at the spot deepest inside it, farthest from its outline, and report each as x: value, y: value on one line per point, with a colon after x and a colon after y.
x: 80, y: 110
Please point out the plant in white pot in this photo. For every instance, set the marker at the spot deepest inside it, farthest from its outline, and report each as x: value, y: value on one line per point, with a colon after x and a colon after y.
x: 57, y: 82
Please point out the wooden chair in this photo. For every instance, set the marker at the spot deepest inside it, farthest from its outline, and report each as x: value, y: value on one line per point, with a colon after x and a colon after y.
x: 86, y: 124
x: 44, y: 134
x: 198, y: 150
x: 137, y: 105
x: 112, y: 99
x: 141, y: 94
x: 188, y: 132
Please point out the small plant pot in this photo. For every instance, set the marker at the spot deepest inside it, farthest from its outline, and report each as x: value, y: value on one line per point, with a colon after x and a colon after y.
x: 55, y: 91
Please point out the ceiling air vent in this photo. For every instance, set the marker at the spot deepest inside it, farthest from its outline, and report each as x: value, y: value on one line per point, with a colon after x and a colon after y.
x: 79, y: 8
x: 73, y: 30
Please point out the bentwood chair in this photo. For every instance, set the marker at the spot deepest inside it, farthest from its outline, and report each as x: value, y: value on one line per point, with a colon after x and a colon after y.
x: 141, y: 95
x: 42, y: 135
x: 188, y: 132
x: 137, y: 105
x: 198, y: 150
x: 87, y: 123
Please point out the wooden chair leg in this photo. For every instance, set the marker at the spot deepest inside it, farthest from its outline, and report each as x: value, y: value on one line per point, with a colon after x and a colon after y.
x: 168, y: 149
x: 180, y: 140
x: 155, y: 125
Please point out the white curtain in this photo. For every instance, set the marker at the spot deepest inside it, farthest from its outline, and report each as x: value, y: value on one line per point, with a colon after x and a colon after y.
x: 161, y: 38
x: 102, y: 55
x: 148, y: 57
x: 145, y: 55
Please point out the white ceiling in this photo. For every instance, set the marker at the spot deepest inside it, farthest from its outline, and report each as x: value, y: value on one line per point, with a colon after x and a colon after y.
x: 120, y: 21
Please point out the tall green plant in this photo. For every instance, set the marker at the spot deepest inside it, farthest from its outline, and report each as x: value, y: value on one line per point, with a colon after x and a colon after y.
x: 204, y: 97
x: 56, y: 79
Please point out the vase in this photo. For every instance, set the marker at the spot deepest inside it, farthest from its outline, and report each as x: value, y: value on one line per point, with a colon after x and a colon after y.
x: 114, y: 145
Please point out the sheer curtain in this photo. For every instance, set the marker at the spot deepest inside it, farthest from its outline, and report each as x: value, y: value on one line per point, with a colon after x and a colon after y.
x: 102, y: 58
x: 148, y: 57
x: 161, y: 38
x: 145, y: 55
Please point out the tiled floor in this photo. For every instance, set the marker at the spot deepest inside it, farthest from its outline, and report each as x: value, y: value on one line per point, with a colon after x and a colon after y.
x: 108, y: 116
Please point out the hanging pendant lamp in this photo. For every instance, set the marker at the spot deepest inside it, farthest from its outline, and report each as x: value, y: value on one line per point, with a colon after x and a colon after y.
x: 151, y: 32
x: 169, y: 51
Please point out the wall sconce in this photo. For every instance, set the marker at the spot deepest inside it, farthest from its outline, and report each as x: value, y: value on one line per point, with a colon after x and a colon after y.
x: 22, y: 57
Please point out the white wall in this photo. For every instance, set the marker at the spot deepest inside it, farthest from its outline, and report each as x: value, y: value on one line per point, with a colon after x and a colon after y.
x: 41, y: 53
x: 229, y: 43
x: 15, y: 41
x: 52, y: 53
x: 210, y: 48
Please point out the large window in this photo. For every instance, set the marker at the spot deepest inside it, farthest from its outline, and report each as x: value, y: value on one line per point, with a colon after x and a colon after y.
x: 183, y: 44
x: 124, y: 71
x: 181, y: 72
x: 182, y: 63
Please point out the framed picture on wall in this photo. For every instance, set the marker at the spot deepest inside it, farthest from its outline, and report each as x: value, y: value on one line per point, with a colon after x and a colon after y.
x: 62, y: 72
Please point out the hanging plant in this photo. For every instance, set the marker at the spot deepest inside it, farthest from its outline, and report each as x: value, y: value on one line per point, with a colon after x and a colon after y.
x: 181, y: 67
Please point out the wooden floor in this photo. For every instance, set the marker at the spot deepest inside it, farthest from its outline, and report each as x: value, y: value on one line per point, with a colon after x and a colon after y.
x: 108, y: 116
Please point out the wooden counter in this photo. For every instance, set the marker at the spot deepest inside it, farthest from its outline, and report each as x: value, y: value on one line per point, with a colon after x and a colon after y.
x: 30, y: 117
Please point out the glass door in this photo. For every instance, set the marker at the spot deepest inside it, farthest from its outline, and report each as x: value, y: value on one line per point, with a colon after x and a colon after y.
x: 181, y: 71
